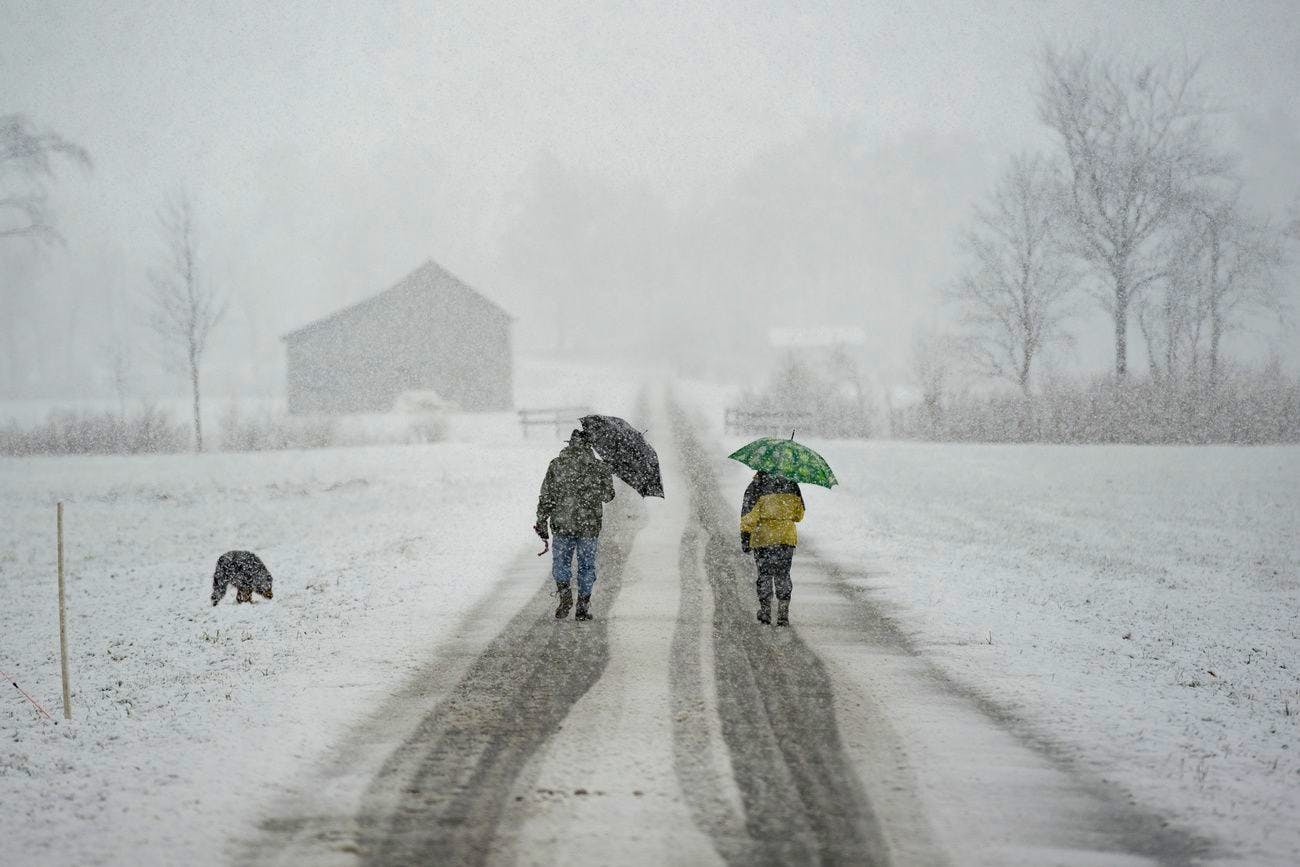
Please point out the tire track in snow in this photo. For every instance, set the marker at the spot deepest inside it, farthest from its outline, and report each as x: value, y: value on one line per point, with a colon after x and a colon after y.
x: 440, y: 796
x: 802, y: 800
x: 1108, y: 823
x: 699, y: 764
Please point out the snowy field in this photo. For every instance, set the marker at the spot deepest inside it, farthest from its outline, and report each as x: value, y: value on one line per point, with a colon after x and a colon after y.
x: 1138, y: 607
x: 183, y: 713
x: 188, y: 718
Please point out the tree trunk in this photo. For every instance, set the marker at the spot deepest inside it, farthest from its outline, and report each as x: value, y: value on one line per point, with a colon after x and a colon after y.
x: 1216, y: 314
x: 1121, y: 328
x: 198, y: 420
x: 1216, y: 332
x: 1022, y: 375
x: 1171, y: 339
x: 932, y: 415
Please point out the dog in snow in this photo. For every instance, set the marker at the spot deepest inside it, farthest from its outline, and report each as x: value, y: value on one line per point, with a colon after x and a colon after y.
x: 246, y: 571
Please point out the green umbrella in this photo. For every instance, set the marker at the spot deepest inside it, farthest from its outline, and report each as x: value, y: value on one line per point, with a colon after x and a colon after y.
x: 786, y: 458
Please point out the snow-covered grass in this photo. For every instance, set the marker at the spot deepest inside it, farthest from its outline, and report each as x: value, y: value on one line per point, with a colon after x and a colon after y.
x: 183, y: 712
x: 1138, y: 606
x: 186, y: 717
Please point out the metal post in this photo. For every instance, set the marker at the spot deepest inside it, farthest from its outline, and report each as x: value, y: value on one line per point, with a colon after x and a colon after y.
x: 63, y: 624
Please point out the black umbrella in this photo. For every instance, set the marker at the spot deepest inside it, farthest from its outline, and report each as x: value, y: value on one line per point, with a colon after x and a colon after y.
x: 626, y: 451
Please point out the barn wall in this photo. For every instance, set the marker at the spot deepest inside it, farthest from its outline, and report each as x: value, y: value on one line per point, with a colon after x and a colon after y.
x: 471, y: 357
x: 361, y: 360
x: 357, y: 362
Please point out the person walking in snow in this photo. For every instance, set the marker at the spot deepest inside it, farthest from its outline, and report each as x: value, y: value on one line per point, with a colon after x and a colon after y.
x: 771, y: 508
x: 571, y: 506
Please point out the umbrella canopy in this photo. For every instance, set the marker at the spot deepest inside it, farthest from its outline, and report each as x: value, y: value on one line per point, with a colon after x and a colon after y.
x: 626, y: 451
x: 787, y: 459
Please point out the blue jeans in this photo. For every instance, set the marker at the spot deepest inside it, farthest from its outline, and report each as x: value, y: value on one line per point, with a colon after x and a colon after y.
x: 562, y: 550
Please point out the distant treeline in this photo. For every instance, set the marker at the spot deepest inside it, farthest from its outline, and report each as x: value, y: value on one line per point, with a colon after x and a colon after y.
x: 1244, y: 405
x: 146, y: 429
x: 151, y: 429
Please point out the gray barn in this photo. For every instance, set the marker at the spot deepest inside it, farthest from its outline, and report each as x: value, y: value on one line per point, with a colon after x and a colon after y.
x: 430, y: 331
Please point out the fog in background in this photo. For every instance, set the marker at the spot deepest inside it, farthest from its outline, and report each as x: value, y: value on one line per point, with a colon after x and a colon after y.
x: 657, y: 183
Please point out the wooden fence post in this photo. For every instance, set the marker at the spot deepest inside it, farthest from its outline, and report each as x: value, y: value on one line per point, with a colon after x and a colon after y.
x: 63, y: 623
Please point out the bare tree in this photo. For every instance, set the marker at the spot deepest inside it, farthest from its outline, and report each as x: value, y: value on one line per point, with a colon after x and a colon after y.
x: 1014, y: 298
x: 846, y: 371
x: 26, y: 162
x: 934, y: 368
x: 184, y: 305
x: 1224, y: 273
x: 1136, y: 151
x: 1170, y: 327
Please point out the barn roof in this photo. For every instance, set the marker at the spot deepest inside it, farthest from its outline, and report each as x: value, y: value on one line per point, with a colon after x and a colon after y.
x: 429, y: 277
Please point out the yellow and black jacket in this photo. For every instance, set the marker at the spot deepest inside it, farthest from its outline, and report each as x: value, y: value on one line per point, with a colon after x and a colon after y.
x: 771, y: 508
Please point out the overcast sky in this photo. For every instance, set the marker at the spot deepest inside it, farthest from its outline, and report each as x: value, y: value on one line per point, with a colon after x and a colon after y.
x: 333, y: 147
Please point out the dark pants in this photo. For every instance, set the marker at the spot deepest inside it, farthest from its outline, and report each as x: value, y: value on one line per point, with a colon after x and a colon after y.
x: 774, y: 569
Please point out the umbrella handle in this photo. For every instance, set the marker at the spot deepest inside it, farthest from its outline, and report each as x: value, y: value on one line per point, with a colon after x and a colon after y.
x: 545, y: 548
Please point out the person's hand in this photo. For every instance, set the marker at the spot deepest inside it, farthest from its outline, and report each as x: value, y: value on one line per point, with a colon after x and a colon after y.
x: 541, y: 531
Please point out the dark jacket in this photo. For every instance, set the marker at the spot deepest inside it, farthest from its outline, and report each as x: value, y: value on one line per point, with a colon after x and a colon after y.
x: 771, y: 508
x: 576, y: 487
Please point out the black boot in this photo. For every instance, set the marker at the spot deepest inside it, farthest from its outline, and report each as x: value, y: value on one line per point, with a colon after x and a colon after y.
x: 783, y: 612
x: 765, y: 610
x: 566, y: 602
x: 582, y: 613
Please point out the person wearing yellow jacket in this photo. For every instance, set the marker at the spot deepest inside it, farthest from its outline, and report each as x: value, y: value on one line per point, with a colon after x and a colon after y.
x: 771, y: 508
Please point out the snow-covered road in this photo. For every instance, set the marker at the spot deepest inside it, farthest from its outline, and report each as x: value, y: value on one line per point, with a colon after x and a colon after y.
x: 674, y: 729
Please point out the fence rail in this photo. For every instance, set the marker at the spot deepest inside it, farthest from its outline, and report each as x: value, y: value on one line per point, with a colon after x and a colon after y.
x: 558, y: 417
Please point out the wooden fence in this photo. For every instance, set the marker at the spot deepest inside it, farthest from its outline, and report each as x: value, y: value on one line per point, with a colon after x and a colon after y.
x: 562, y: 418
